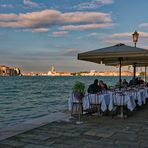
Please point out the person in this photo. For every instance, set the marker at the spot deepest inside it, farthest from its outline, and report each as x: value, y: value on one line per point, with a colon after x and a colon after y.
x: 102, y: 85
x: 140, y: 81
x: 124, y: 83
x: 134, y: 81
x: 94, y: 88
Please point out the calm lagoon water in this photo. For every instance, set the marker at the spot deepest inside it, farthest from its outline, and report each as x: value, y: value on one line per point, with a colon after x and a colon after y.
x: 25, y: 98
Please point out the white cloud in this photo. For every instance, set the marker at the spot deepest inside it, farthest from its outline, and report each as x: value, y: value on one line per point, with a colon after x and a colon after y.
x: 95, y: 34
x: 129, y: 34
x: 37, y: 30
x: 59, y: 33
x: 30, y: 3
x: 8, y: 17
x: 93, y: 17
x: 49, y: 17
x: 6, y: 6
x: 118, y: 35
x: 125, y: 38
x: 144, y: 25
x: 143, y: 34
x: 71, y: 52
x: 93, y: 4
x: 106, y: 1
x: 86, y: 27
x: 116, y: 41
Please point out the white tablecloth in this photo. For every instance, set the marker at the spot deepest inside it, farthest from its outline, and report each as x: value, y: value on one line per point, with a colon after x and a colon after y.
x: 102, y: 99
x: 108, y: 99
x: 139, y: 94
x: 125, y: 99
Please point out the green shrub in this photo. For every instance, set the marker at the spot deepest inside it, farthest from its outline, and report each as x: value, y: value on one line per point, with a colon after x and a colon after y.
x: 79, y: 87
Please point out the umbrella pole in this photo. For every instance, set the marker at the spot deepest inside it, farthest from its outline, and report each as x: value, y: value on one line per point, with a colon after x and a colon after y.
x: 145, y: 75
x: 120, y: 73
x: 134, y: 71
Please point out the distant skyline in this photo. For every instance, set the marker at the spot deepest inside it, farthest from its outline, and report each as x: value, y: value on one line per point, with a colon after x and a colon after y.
x: 36, y: 34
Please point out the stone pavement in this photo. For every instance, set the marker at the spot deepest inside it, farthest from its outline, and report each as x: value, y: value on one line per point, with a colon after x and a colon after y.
x: 95, y: 132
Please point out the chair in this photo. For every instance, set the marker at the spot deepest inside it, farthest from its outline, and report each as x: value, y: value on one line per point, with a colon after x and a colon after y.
x: 77, y: 105
x: 94, y: 103
x: 119, y: 105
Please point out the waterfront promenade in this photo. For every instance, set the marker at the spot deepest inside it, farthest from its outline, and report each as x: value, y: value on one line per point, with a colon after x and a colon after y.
x: 95, y: 132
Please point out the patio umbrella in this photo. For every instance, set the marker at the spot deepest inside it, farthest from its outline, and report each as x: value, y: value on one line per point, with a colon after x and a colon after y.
x: 119, y: 54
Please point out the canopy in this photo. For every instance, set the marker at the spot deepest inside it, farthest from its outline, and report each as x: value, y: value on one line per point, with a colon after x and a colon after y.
x: 114, y: 54
x: 119, y: 54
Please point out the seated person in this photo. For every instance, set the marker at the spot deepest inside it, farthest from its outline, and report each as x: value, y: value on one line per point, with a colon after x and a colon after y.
x: 140, y: 81
x: 124, y: 83
x: 102, y: 85
x: 94, y: 88
x: 134, y: 81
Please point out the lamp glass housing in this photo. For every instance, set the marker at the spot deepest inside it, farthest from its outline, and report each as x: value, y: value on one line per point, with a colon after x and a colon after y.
x: 135, y: 37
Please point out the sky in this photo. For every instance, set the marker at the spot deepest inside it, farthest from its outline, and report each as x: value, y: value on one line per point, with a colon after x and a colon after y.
x: 36, y: 34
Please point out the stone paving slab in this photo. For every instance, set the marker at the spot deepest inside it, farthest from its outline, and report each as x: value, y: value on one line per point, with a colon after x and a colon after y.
x: 31, y: 124
x: 95, y: 132
x: 103, y: 133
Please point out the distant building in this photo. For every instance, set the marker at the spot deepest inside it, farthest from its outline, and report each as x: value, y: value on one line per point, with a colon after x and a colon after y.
x: 107, y: 73
x: 53, y: 72
x: 9, y: 71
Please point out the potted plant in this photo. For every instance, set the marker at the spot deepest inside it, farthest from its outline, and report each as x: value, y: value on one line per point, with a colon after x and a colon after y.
x: 79, y: 90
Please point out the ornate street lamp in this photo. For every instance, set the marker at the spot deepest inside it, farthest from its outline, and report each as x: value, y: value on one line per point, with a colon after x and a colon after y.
x: 135, y: 40
x: 135, y: 37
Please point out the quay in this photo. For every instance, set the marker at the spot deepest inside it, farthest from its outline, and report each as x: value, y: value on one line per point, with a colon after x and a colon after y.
x: 94, y: 132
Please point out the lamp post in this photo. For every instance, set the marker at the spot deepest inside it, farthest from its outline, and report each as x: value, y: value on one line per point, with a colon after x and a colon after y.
x: 135, y: 37
x: 135, y: 40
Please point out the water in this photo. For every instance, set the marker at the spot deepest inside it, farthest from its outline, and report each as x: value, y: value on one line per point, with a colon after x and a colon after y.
x: 25, y: 98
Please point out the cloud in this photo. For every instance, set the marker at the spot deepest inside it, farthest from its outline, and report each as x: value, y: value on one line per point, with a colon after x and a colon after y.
x: 48, y: 18
x: 6, y: 6
x: 143, y: 34
x: 59, y: 33
x: 86, y: 17
x: 71, y: 52
x: 86, y: 27
x: 93, y: 4
x: 106, y: 1
x: 30, y: 3
x: 129, y: 34
x: 11, y: 17
x: 125, y: 38
x: 117, y: 38
x: 144, y: 25
x: 37, y: 30
x: 118, y: 35
x: 95, y: 34
x: 116, y: 41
